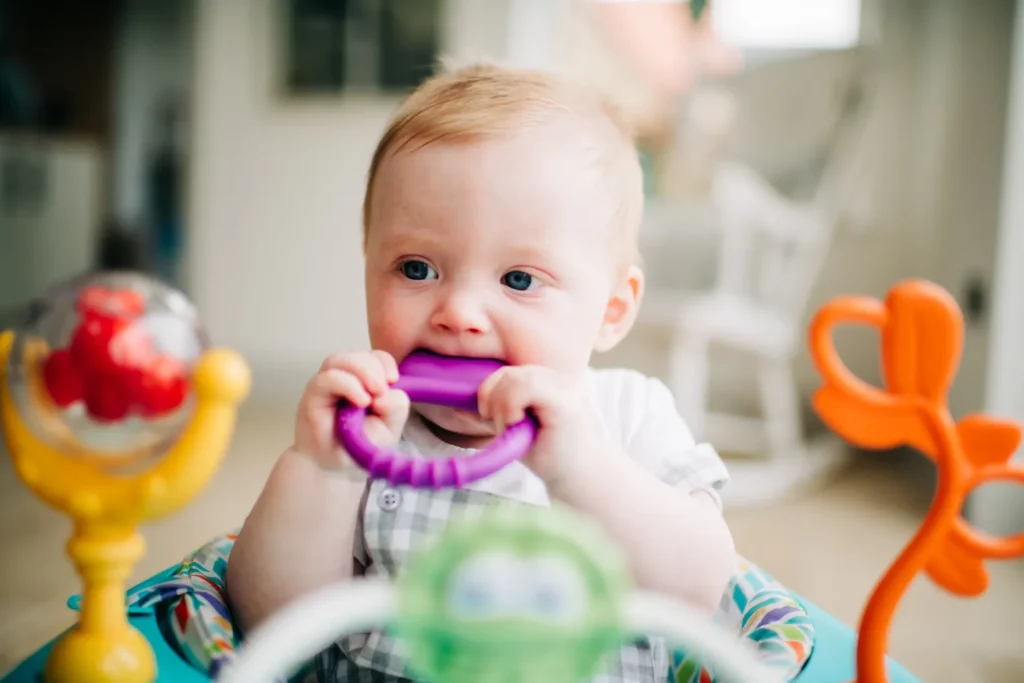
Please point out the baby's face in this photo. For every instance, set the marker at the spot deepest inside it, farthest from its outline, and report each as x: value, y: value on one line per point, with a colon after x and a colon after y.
x: 497, y: 249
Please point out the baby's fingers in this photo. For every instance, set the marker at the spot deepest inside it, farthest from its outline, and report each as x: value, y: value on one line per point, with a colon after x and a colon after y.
x: 505, y: 397
x: 387, y: 361
x: 330, y: 385
x: 369, y: 368
x: 392, y: 409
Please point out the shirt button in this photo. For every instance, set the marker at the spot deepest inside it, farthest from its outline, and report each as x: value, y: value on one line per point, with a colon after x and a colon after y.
x: 389, y: 499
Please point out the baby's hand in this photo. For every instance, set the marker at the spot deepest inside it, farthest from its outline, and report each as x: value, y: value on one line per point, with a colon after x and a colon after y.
x: 362, y: 378
x: 557, y: 401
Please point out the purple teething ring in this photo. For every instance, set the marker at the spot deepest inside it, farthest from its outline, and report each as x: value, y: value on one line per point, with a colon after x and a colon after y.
x: 437, y: 380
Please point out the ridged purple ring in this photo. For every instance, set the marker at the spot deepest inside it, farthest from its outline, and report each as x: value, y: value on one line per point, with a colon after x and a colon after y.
x: 444, y: 381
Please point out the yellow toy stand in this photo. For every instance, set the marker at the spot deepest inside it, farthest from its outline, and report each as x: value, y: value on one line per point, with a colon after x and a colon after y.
x: 107, y: 507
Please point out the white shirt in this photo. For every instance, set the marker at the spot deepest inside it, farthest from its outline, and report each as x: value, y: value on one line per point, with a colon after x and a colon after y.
x: 635, y: 412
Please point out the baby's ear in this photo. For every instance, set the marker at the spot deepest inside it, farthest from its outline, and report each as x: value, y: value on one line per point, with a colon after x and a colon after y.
x: 622, y: 309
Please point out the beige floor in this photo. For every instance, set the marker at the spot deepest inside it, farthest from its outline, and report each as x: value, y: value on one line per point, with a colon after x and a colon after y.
x: 830, y: 546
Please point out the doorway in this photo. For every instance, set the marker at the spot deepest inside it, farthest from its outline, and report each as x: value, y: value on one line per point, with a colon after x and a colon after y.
x: 94, y: 102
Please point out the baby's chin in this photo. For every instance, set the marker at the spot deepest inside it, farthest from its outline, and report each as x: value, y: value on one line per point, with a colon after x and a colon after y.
x: 462, y: 423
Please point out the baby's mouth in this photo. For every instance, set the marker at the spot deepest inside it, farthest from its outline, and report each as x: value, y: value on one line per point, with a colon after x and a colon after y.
x: 460, y: 353
x: 464, y: 428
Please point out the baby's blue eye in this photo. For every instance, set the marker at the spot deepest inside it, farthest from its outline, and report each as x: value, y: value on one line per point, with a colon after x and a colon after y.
x: 418, y: 270
x: 517, y: 280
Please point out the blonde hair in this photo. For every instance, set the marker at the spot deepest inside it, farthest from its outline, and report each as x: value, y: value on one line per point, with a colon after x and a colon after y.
x: 484, y: 100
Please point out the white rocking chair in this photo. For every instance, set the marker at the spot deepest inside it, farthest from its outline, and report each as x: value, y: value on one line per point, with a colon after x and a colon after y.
x: 770, y: 252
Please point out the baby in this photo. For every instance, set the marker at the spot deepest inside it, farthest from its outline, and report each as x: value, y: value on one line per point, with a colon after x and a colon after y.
x: 501, y: 218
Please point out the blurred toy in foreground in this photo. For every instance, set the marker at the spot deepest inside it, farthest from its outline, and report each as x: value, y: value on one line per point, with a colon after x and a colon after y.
x: 517, y: 593
x: 95, y: 405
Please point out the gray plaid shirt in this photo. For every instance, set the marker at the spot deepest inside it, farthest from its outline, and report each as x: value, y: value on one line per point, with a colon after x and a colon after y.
x: 397, y: 521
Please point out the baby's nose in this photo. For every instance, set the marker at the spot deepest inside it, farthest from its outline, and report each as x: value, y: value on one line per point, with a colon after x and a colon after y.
x: 461, y: 312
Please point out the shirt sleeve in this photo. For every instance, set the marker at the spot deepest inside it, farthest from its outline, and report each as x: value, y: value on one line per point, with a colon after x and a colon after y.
x: 662, y: 443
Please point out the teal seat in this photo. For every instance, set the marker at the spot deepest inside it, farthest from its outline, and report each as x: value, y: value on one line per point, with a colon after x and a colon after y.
x: 171, y: 667
x: 834, y: 656
x: 831, y: 661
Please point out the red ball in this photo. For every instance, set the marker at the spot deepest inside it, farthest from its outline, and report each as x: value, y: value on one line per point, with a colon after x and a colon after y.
x: 63, y: 382
x: 161, y: 386
x: 106, y: 398
x: 116, y: 303
x: 91, y: 344
x: 132, y: 347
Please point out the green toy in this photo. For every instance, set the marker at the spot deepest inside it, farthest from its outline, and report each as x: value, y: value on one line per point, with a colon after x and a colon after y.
x: 517, y: 593
x: 524, y: 594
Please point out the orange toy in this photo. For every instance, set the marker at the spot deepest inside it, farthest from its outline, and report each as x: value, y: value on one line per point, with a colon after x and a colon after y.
x: 922, y: 337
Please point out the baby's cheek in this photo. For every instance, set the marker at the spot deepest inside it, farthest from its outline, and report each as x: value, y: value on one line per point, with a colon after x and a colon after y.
x: 550, y: 343
x: 389, y: 329
x: 572, y: 336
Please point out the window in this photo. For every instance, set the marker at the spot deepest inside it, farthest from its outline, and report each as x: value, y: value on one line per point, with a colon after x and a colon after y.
x: 787, y: 24
x: 337, y: 46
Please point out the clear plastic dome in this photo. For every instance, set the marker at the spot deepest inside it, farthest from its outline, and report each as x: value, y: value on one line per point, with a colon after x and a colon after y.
x: 102, y: 367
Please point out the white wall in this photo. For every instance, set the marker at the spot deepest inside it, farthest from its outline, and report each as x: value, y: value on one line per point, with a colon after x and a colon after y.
x: 1000, y: 509
x: 967, y: 174
x: 276, y: 186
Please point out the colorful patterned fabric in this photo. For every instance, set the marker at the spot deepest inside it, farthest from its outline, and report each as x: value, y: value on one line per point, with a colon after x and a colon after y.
x: 193, y: 609
x: 764, y: 614
x: 198, y: 619
x: 191, y: 605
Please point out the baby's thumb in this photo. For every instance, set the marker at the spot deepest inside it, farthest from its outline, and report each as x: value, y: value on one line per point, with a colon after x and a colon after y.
x: 393, y: 410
